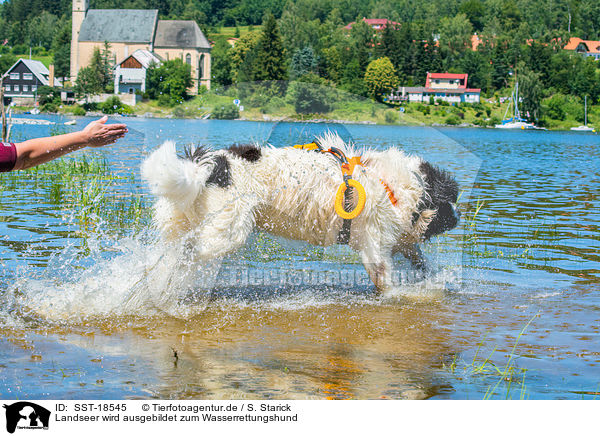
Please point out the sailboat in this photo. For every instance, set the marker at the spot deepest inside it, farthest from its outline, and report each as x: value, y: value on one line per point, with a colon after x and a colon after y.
x: 585, y: 127
x: 516, y: 122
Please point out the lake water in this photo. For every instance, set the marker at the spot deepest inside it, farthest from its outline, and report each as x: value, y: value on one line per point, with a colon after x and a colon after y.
x: 512, y: 309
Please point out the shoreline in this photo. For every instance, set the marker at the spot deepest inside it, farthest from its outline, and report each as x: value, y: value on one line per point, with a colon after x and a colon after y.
x: 270, y: 119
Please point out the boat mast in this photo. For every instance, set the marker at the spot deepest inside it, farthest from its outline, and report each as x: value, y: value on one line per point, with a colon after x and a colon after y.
x: 516, y: 98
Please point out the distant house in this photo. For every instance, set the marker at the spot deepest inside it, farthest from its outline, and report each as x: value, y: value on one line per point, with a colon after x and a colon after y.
x: 584, y: 47
x: 128, y: 30
x: 130, y: 74
x: 23, y: 79
x: 448, y: 87
x: 378, y: 24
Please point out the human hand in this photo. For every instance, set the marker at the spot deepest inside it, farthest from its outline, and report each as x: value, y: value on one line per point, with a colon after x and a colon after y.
x: 98, y: 133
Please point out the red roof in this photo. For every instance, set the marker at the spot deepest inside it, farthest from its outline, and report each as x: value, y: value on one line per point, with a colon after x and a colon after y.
x: 382, y: 22
x: 433, y: 76
x: 592, y: 46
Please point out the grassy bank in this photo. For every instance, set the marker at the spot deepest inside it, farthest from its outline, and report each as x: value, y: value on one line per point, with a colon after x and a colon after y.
x: 561, y: 112
x: 567, y: 113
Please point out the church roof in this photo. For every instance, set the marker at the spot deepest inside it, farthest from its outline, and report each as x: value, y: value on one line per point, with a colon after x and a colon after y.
x: 119, y: 25
x: 180, y: 34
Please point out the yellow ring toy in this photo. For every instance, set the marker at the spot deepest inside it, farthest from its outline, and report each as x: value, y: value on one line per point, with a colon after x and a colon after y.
x: 339, y: 200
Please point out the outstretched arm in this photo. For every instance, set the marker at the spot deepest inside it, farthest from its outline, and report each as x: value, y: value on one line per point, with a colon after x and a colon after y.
x: 41, y: 150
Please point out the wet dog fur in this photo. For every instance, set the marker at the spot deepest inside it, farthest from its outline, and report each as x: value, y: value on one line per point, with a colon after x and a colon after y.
x: 216, y: 198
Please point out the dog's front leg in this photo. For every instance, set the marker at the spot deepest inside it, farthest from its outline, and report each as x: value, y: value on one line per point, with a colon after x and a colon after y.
x: 378, y: 263
x: 414, y: 254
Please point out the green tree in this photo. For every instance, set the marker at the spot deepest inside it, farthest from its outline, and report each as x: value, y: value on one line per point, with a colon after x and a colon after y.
x: 477, y: 67
x: 455, y: 36
x: 242, y: 56
x: 41, y: 30
x: 7, y: 60
x: 303, y: 62
x: 88, y: 81
x: 310, y: 95
x: 474, y: 10
x: 380, y: 78
x: 61, y: 46
x: 221, y: 62
x: 270, y: 62
x: 169, y: 82
x: 530, y: 92
x: 97, y: 77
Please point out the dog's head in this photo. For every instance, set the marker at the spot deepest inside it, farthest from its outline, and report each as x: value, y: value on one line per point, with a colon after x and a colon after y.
x: 441, y: 193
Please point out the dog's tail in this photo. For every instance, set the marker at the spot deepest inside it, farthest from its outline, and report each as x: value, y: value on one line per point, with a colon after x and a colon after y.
x: 176, y: 179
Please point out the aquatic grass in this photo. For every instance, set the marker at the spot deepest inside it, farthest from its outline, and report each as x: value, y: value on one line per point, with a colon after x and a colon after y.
x: 508, y: 371
x: 476, y: 241
x: 85, y: 188
x: 509, y: 374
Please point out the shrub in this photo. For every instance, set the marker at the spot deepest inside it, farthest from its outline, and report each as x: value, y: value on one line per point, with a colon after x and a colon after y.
x: 49, y: 107
x: 555, y: 107
x: 226, y: 112
x: 115, y: 106
x: 391, y: 117
x: 20, y: 49
x: 169, y: 82
x: 179, y: 112
x: 309, y: 95
x: 452, y: 120
x: 90, y: 106
x: 47, y: 94
x: 78, y: 111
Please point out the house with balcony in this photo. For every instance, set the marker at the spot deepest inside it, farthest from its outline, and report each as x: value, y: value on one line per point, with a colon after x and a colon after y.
x: 23, y: 79
x: 448, y: 87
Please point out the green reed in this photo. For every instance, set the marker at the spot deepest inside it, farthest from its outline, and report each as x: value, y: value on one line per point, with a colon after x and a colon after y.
x: 86, y: 188
x: 509, y: 374
x: 475, y: 243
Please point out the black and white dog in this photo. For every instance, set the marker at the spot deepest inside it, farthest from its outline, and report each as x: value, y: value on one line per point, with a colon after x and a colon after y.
x: 215, y: 199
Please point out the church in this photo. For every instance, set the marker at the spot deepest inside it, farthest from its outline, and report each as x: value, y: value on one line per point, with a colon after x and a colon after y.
x: 128, y: 30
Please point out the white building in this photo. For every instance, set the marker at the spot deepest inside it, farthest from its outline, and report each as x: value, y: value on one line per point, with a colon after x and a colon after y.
x: 448, y: 87
x: 130, y: 74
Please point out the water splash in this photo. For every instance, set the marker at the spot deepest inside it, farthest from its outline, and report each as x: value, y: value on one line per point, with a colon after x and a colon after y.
x: 139, y: 278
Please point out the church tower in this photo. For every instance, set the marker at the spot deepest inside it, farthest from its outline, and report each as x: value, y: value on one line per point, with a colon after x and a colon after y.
x: 80, y: 8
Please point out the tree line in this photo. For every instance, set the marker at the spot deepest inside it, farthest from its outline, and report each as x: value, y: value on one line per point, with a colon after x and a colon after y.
x: 371, y: 62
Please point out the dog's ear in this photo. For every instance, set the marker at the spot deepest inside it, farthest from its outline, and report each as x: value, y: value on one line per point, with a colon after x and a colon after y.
x: 441, y: 186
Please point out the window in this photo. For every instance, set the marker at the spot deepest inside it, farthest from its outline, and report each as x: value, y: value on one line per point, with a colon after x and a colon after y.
x: 25, y: 88
x: 16, y: 88
x: 188, y: 59
x: 15, y: 76
x: 34, y: 88
x: 7, y: 88
x: 27, y: 76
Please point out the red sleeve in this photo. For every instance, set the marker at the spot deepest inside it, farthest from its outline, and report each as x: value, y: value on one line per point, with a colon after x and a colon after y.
x: 8, y: 156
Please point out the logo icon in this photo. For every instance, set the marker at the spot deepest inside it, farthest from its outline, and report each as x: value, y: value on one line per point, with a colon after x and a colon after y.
x: 26, y: 415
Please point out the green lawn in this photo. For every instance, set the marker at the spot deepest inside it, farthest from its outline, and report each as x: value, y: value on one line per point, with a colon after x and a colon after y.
x: 46, y: 60
x: 229, y: 32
